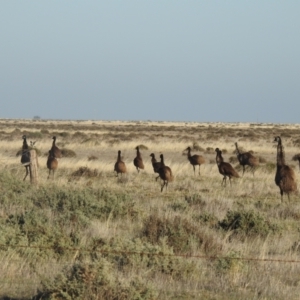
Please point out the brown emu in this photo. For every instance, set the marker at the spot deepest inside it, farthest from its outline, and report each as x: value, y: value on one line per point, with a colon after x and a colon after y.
x: 165, y: 173
x: 155, y: 164
x: 246, y: 159
x: 52, y: 164
x: 56, y: 152
x: 138, y: 161
x: 195, y: 159
x: 285, y: 176
x: 225, y: 168
x: 25, y: 158
x: 120, y: 166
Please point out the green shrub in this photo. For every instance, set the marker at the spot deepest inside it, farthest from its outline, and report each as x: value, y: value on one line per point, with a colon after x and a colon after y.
x: 247, y: 223
x: 180, y: 234
x: 229, y: 263
x: 94, y: 280
x: 99, y: 204
x: 270, y: 167
x: 85, y: 172
x: 68, y: 153
x: 207, y: 219
x: 195, y: 200
x: 140, y: 254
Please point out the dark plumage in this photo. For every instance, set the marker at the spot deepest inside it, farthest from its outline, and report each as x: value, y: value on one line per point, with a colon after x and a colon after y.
x: 120, y: 166
x: 285, y: 177
x: 195, y: 160
x: 165, y: 173
x: 138, y: 161
x: 25, y: 158
x: 56, y: 152
x: 225, y: 168
x: 52, y: 164
x: 246, y: 159
x: 155, y: 164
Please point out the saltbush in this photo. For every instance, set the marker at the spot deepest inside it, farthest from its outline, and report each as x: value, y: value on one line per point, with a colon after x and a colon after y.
x: 180, y: 234
x: 247, y: 223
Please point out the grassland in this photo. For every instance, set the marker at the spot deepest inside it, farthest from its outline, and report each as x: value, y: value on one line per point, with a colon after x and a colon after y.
x: 89, y: 235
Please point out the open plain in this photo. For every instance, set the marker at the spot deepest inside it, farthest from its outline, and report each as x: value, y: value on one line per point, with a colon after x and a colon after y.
x: 88, y: 234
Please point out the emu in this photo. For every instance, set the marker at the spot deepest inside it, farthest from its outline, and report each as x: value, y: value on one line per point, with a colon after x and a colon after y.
x: 52, y: 164
x: 138, y: 161
x: 120, y: 166
x: 25, y: 158
x: 285, y: 177
x: 225, y: 168
x: 56, y: 152
x: 165, y: 173
x: 195, y: 159
x: 155, y: 164
x: 246, y: 159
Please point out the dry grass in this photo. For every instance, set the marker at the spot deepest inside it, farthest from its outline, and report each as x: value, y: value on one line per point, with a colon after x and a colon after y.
x: 184, y: 220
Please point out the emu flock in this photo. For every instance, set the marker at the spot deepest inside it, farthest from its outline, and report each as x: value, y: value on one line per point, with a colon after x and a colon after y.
x: 285, y: 177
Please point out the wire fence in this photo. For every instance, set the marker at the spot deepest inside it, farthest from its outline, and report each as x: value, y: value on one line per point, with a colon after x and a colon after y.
x: 123, y: 252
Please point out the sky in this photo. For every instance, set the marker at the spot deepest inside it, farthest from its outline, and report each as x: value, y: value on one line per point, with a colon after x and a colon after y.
x: 190, y: 61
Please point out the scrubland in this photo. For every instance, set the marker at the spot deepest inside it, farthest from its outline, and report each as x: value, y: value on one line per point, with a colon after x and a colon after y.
x: 87, y: 234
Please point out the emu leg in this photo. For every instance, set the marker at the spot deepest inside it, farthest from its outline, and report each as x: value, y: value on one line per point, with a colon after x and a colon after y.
x: 27, y: 167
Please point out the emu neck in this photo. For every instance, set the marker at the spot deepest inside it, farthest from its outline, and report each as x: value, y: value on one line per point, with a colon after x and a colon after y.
x: 219, y: 158
x: 237, y: 150
x: 280, y: 155
x: 25, y: 145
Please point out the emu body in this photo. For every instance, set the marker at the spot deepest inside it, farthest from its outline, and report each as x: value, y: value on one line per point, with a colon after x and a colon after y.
x: 155, y: 164
x: 165, y: 173
x: 246, y: 159
x: 56, y: 152
x: 120, y: 167
x: 25, y: 158
x: 138, y: 161
x: 225, y: 168
x: 52, y: 164
x: 195, y: 160
x: 285, y: 177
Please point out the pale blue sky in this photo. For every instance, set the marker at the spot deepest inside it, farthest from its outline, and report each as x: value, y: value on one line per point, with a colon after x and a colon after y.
x: 203, y: 61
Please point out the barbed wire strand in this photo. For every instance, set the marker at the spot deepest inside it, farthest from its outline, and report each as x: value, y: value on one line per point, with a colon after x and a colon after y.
x: 122, y: 252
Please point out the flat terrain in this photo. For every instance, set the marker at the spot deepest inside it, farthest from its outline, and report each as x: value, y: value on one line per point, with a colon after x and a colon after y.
x: 87, y: 232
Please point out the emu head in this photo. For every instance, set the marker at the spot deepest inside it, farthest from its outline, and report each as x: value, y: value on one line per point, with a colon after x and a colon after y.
x: 277, y: 139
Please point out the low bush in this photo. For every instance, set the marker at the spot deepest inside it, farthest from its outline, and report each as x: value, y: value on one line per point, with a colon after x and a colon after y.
x: 247, y: 223
x: 180, y: 234
x: 85, y: 172
x: 68, y: 153
x: 94, y: 280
